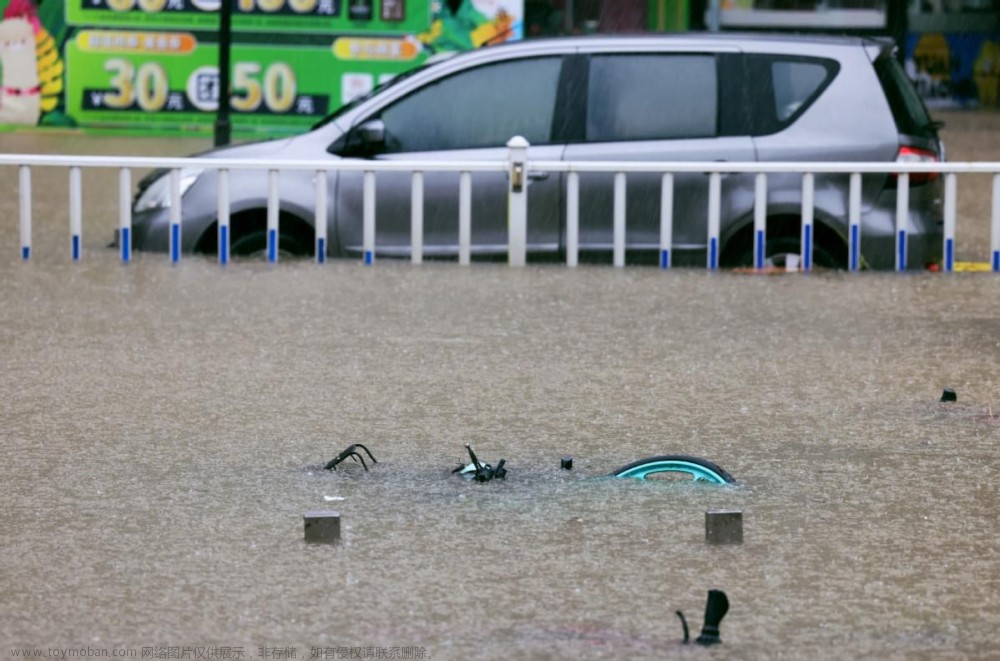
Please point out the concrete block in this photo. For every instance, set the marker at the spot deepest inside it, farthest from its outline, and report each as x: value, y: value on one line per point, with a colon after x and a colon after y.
x: 724, y: 527
x: 322, y: 527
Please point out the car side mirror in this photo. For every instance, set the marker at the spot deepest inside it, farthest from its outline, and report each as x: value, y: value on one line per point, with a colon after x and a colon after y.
x: 364, y: 140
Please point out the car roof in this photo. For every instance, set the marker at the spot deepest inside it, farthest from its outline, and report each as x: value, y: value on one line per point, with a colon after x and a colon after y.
x: 789, y: 42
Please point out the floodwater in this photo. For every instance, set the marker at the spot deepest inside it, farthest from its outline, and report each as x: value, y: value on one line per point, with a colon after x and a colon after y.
x: 164, y: 429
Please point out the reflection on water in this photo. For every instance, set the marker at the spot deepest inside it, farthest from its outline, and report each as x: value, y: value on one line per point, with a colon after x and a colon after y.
x: 165, y: 427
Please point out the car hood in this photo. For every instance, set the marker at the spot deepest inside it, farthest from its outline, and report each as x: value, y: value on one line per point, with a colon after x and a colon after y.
x: 289, y: 148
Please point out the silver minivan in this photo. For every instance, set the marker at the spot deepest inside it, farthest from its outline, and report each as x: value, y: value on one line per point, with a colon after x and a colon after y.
x: 687, y: 97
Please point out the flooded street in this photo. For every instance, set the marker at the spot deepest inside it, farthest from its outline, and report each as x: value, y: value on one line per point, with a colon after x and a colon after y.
x: 165, y: 427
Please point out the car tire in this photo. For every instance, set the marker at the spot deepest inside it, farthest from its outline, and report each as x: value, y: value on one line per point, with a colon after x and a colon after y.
x: 778, y: 248
x: 254, y: 244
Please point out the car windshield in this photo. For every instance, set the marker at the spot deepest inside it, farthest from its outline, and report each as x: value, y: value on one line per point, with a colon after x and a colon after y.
x: 361, y: 98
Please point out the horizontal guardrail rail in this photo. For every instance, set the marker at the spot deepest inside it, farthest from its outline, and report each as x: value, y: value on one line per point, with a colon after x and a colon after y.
x: 517, y: 167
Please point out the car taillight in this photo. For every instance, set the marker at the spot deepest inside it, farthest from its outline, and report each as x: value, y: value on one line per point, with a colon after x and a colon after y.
x: 917, y: 155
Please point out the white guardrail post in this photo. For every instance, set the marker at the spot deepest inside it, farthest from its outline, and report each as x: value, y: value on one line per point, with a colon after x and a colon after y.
x: 417, y: 218
x: 572, y: 219
x: 950, y: 200
x: 272, y: 216
x: 223, y: 216
x: 759, y: 221
x: 902, y: 213
x: 808, y: 211
x: 75, y: 214
x: 714, y: 218
x: 125, y: 213
x: 368, y: 218
x: 175, y: 215
x: 25, y: 210
x: 320, y: 217
x: 854, y: 223
x: 517, y: 201
x: 666, y: 219
x: 995, y: 238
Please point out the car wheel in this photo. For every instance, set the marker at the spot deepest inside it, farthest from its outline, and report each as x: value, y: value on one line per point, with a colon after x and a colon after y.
x: 780, y: 248
x: 254, y: 244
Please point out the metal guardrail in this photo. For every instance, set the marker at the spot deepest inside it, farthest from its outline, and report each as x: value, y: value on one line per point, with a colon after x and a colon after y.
x: 516, y: 165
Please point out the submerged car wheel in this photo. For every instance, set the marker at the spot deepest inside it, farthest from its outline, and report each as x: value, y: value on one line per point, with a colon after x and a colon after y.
x: 254, y: 244
x: 780, y: 248
x: 700, y: 470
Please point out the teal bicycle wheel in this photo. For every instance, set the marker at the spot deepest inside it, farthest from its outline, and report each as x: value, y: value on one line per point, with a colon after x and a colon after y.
x: 700, y: 470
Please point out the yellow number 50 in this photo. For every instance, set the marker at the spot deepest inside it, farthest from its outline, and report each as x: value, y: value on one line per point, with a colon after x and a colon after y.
x: 278, y: 91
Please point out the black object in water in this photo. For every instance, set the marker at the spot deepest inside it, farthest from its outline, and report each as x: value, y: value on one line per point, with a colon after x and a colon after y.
x: 715, y: 609
x: 352, y: 452
x: 481, y: 472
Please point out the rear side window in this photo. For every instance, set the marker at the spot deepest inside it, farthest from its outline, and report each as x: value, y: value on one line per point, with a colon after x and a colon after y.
x: 481, y: 107
x: 795, y: 83
x: 652, y: 97
x: 780, y: 88
x: 907, y: 108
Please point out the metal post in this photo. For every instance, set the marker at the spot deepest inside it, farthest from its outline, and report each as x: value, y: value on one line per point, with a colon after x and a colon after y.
x: 175, y: 216
x: 125, y: 213
x: 808, y: 211
x: 368, y: 218
x: 666, y: 219
x: 272, y: 216
x: 902, y: 213
x: 572, y: 219
x: 417, y: 218
x: 75, y: 214
x: 464, y: 217
x: 517, y: 201
x: 619, y: 220
x: 222, y: 126
x: 995, y: 244
x: 320, y: 218
x: 760, y: 221
x: 714, y: 218
x: 24, y: 189
x: 854, y: 222
x: 950, y: 200
x: 223, y: 217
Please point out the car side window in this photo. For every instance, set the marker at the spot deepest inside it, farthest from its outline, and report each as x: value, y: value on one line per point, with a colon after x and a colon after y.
x: 794, y: 83
x: 652, y: 97
x: 481, y: 107
x: 781, y: 87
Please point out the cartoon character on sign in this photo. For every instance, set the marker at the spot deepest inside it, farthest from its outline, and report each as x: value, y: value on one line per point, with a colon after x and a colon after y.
x: 20, y: 94
x: 459, y: 25
x: 39, y: 57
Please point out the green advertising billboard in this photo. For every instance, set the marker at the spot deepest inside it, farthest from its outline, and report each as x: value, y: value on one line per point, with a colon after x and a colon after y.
x: 151, y: 66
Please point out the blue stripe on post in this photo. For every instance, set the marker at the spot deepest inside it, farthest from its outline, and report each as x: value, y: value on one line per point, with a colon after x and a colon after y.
x: 996, y: 261
x: 126, y: 244
x: 807, y: 256
x: 25, y: 252
x: 76, y: 247
x: 949, y: 255
x: 223, y: 244
x: 175, y: 243
x: 320, y: 251
x: 759, y: 257
x: 901, y: 250
x: 855, y: 246
x: 713, y: 253
x: 664, y: 259
x: 369, y: 257
x: 272, y: 246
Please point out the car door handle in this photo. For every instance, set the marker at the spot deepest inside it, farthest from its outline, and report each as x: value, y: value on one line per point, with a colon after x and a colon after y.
x: 537, y: 175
